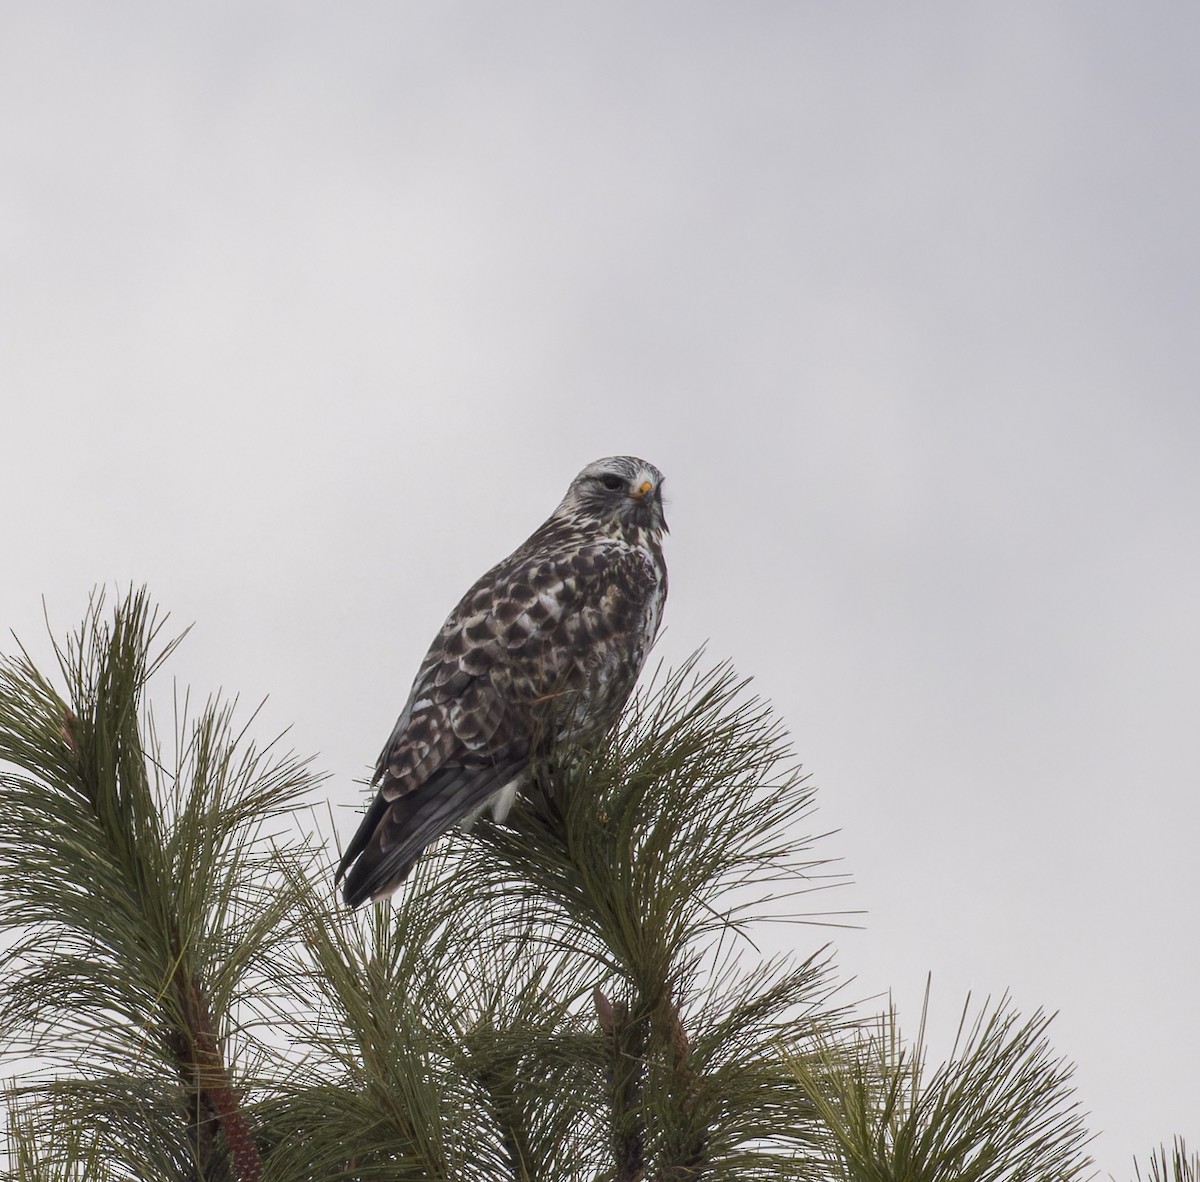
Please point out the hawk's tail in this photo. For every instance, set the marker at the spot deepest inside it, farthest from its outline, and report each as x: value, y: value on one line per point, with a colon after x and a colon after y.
x: 394, y: 832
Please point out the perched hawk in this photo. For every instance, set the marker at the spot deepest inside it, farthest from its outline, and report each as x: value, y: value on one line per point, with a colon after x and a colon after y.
x: 548, y: 644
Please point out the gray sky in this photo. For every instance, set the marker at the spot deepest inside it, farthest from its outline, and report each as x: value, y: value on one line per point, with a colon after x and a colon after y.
x: 308, y: 314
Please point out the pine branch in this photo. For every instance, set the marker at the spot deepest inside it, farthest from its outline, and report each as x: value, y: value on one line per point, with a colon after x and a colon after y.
x: 1178, y: 1167
x: 139, y: 933
x: 1000, y: 1109
x: 201, y: 1060
x: 627, y: 1052
x: 373, y: 1087
x: 642, y: 857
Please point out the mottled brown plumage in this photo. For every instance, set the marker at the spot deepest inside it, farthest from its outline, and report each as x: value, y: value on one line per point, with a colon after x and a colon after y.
x: 546, y: 646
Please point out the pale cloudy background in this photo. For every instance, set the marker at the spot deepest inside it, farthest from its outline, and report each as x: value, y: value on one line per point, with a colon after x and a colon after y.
x: 310, y: 312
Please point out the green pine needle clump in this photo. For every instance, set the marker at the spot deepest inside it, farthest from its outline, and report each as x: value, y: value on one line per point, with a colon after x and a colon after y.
x: 1000, y: 1109
x: 144, y: 918
x: 1177, y: 1166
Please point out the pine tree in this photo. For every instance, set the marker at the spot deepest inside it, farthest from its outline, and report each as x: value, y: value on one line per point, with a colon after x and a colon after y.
x: 574, y: 995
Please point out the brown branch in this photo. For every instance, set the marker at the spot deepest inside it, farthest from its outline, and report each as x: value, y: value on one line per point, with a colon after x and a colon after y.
x: 694, y: 1156
x: 201, y: 1063
x: 496, y: 1085
x: 627, y: 1049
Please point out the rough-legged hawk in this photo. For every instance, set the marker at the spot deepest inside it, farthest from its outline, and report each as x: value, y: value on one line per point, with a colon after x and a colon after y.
x: 548, y: 643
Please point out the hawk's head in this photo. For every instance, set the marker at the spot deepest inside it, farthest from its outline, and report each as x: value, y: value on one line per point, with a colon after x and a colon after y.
x: 618, y: 490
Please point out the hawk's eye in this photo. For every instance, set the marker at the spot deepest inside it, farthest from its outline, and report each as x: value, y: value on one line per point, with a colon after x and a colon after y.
x: 611, y: 481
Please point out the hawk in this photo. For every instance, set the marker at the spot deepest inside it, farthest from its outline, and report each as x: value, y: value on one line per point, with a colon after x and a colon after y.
x: 546, y: 646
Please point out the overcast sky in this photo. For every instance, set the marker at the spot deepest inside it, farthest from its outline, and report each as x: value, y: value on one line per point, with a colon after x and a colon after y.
x: 310, y: 313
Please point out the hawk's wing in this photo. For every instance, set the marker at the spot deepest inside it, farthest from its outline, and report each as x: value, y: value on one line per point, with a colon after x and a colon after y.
x: 556, y: 633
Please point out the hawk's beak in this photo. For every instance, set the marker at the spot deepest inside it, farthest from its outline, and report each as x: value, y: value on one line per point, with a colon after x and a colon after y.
x: 639, y: 494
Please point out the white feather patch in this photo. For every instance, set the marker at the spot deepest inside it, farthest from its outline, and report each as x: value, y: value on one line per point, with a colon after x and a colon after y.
x: 499, y: 802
